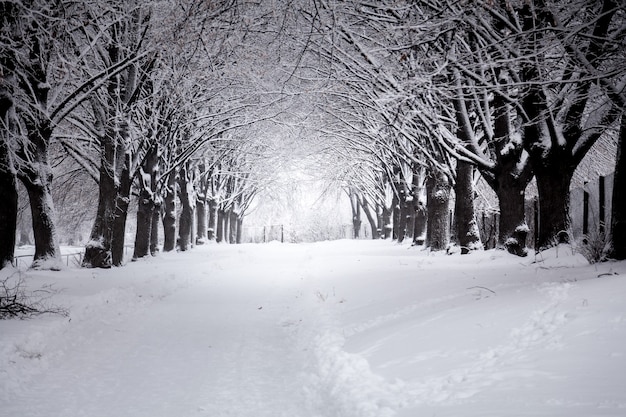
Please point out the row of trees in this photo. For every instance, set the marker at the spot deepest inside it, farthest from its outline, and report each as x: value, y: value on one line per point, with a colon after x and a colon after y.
x: 407, y: 104
x: 433, y: 93
x: 144, y: 98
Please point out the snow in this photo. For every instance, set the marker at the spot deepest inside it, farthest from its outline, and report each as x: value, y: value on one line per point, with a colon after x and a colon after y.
x: 344, y: 328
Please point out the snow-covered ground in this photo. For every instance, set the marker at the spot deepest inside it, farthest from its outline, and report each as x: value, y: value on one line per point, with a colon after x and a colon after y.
x: 345, y: 328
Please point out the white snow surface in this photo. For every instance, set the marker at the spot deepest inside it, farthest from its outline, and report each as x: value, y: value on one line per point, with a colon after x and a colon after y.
x: 345, y: 328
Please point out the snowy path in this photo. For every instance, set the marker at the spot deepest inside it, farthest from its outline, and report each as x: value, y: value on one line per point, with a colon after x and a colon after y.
x: 220, y: 347
x: 336, y: 329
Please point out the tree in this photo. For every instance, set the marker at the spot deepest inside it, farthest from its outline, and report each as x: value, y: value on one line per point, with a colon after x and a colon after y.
x: 618, y: 211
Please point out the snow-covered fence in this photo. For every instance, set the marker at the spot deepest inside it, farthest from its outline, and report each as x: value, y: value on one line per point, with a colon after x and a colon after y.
x: 309, y: 233
x: 23, y: 262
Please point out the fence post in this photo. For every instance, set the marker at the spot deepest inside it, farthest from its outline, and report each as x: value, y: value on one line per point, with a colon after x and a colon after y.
x: 602, y: 208
x: 536, y: 221
x: 585, y: 211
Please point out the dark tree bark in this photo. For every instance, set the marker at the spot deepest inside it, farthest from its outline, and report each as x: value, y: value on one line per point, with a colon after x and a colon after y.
x: 98, y: 250
x: 169, y: 214
x: 201, y: 205
x: 467, y: 231
x: 509, y: 180
x: 8, y: 193
x: 355, y: 208
x: 221, y: 215
x: 146, y: 204
x: 419, y: 227
x: 185, y: 223
x: 232, y: 224
x: 121, y: 214
x: 438, y: 190
x: 8, y: 212
x: 370, y: 218
x: 386, y: 214
x: 618, y: 210
x: 154, y: 233
x: 212, y: 215
x: 201, y: 215
x: 37, y: 179
x: 240, y: 230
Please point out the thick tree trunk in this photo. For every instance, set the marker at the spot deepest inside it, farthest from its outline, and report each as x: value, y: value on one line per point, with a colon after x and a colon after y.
x: 513, y: 229
x: 386, y: 222
x: 553, y: 183
x: 438, y: 190
x: 240, y: 230
x: 201, y: 215
x: 395, y: 216
x: 185, y: 223
x: 233, y: 222
x: 119, y: 222
x: 47, y: 252
x: 355, y: 208
x: 169, y: 214
x: 98, y: 249
x: 143, y: 235
x: 370, y: 218
x: 8, y: 190
x: 212, y: 225
x: 404, y: 214
x: 154, y: 233
x: 467, y: 231
x: 220, y: 225
x: 618, y: 210
x: 8, y: 210
x: 419, y: 226
x: 146, y: 205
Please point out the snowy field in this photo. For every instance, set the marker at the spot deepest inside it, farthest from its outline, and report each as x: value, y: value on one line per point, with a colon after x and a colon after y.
x: 345, y: 329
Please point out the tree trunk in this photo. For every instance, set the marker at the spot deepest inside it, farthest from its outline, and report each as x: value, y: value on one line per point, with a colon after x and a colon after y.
x: 513, y: 229
x: 419, y: 227
x: 404, y: 213
x: 8, y: 191
x: 47, y: 252
x: 212, y: 215
x: 468, y: 234
x: 553, y: 183
x: 185, y: 224
x: 395, y: 215
x: 98, y: 249
x: 370, y: 218
x: 143, y: 235
x: 154, y: 233
x: 233, y: 221
x: 438, y: 210
x: 240, y: 230
x: 146, y: 205
x: 220, y: 225
x: 122, y: 202
x: 8, y: 210
x: 386, y: 222
x: 618, y: 210
x: 169, y: 215
x: 355, y: 207
x: 201, y: 214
